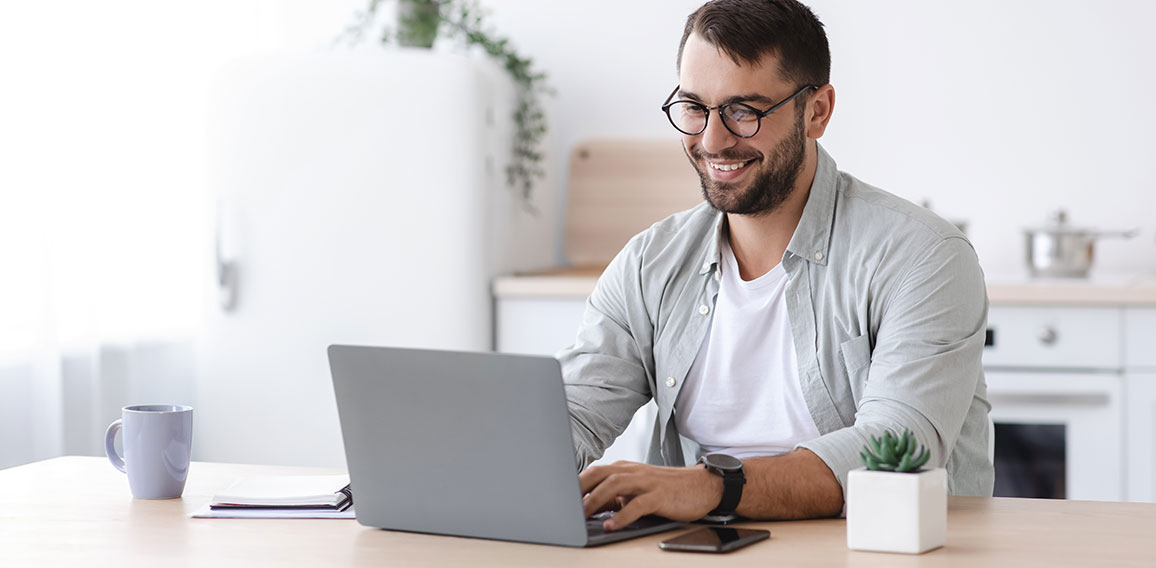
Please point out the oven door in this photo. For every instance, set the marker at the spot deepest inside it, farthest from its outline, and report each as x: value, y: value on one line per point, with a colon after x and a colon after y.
x: 1058, y: 435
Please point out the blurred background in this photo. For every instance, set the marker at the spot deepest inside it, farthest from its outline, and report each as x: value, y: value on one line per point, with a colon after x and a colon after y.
x: 148, y: 147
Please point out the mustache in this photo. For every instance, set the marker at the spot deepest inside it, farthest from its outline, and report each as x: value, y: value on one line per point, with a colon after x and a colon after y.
x: 697, y: 152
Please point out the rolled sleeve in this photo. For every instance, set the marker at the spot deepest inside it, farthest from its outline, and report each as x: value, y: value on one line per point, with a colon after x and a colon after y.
x: 926, y: 362
x: 606, y: 369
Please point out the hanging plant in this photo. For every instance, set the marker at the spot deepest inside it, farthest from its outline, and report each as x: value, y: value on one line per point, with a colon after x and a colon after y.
x: 419, y: 23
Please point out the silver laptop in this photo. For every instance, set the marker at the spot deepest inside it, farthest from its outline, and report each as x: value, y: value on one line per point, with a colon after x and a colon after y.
x: 464, y: 444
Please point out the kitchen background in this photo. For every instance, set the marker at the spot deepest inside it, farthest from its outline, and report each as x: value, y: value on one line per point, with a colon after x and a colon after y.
x: 995, y: 112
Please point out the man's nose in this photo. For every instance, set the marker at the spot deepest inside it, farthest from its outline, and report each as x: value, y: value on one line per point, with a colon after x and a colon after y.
x: 716, y: 137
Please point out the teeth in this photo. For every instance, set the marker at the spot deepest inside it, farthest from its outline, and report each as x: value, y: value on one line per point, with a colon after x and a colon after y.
x: 727, y: 167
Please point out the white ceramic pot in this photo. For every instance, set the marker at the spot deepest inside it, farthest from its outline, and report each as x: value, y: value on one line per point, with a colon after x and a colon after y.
x: 896, y: 512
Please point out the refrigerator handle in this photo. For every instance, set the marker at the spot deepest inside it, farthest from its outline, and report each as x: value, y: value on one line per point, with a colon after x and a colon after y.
x: 226, y: 271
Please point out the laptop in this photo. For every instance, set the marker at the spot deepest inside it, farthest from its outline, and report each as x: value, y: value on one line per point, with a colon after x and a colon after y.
x: 464, y: 444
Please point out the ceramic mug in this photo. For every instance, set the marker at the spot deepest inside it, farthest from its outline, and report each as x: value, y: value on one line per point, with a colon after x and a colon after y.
x: 158, y: 442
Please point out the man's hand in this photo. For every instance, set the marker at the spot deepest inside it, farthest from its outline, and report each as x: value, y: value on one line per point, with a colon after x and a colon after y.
x: 678, y: 493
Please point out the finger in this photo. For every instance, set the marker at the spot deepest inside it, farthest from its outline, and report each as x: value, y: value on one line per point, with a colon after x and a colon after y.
x: 592, y: 476
x: 634, y: 510
x: 608, y: 492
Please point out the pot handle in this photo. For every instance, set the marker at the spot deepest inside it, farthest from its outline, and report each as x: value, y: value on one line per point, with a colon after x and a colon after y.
x: 1118, y: 234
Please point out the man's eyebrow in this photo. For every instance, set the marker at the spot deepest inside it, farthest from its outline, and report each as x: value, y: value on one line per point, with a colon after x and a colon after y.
x: 748, y: 98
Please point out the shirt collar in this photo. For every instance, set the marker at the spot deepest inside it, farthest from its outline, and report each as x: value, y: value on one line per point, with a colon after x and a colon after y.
x: 812, y: 237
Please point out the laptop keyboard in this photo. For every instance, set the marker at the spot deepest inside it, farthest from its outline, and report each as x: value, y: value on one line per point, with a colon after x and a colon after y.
x: 594, y: 524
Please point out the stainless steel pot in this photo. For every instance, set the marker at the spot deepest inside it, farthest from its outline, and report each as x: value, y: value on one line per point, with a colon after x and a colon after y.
x: 1061, y: 251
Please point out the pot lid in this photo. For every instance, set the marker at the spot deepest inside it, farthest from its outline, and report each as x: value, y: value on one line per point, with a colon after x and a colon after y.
x: 1058, y: 223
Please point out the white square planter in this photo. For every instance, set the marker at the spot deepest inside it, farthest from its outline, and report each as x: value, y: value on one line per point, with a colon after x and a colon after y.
x: 896, y: 512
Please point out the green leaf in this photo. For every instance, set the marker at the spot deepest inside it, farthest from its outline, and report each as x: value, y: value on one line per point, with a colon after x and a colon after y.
x: 904, y: 463
x: 888, y: 447
x: 921, y: 459
x: 902, y: 447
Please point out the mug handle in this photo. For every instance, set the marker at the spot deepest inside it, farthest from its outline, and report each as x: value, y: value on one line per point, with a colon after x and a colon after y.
x: 114, y: 458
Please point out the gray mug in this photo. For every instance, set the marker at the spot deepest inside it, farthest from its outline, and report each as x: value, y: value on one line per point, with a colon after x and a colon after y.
x: 158, y: 442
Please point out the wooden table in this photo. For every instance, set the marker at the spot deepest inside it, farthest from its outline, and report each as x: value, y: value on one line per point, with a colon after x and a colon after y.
x: 77, y: 511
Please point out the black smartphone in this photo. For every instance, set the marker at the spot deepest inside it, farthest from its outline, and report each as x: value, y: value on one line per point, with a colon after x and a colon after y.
x: 714, y: 539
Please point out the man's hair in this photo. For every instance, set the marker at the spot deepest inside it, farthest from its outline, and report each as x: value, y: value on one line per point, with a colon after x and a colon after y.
x: 746, y: 30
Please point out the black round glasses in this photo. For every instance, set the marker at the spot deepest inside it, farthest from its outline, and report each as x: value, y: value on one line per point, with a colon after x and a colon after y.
x: 741, y: 119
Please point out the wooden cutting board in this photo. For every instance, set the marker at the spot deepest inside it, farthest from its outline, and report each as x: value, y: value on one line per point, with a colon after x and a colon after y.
x: 618, y: 188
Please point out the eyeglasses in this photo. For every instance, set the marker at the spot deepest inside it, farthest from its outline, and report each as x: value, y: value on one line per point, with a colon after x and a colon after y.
x: 741, y: 119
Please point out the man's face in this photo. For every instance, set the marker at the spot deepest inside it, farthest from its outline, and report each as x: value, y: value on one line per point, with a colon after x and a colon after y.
x: 746, y: 176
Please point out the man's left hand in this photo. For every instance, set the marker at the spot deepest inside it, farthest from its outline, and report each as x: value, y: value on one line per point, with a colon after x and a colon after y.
x: 678, y: 493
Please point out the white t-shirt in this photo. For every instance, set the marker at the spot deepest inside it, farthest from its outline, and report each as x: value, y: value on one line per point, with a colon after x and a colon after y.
x: 742, y: 395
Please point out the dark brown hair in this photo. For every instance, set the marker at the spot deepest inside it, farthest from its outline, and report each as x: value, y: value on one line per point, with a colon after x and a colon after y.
x: 746, y: 30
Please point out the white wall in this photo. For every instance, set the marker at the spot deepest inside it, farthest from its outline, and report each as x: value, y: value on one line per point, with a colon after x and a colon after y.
x: 997, y: 111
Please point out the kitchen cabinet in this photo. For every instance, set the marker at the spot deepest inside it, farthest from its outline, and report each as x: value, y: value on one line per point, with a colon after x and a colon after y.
x: 1140, y: 387
x: 1069, y: 353
x: 543, y: 325
x: 1141, y: 436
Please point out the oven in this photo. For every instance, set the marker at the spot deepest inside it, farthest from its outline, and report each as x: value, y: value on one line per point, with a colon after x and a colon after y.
x: 1055, y: 379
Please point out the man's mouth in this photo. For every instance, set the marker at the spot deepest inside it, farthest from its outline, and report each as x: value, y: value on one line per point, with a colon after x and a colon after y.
x: 728, y: 167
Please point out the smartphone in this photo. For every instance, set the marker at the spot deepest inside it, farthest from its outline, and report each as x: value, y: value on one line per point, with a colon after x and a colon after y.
x: 714, y: 539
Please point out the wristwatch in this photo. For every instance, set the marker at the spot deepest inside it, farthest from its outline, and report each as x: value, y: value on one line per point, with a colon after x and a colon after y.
x: 731, y: 470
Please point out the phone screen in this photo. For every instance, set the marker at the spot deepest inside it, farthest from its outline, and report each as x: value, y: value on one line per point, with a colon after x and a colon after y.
x: 714, y: 539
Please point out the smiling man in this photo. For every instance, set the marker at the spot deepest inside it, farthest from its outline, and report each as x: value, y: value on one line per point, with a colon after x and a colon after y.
x: 778, y: 325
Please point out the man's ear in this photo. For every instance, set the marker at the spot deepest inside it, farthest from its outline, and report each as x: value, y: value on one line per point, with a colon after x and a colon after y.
x: 820, y: 105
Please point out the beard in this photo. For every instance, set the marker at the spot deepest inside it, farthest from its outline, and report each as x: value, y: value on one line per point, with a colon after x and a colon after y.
x: 770, y: 187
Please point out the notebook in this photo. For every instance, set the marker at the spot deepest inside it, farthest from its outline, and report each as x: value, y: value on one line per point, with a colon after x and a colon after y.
x: 464, y: 444
x: 283, y: 497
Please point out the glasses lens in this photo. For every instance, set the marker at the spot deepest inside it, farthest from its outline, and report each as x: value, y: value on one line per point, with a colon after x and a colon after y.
x: 741, y: 119
x: 690, y: 118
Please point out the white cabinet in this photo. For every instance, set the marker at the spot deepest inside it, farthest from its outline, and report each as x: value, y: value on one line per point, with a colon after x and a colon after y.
x: 1088, y: 366
x: 1141, y: 436
x: 1140, y: 389
x: 543, y: 325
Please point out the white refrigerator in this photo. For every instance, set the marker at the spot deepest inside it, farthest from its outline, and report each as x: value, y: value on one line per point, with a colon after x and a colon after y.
x: 360, y: 198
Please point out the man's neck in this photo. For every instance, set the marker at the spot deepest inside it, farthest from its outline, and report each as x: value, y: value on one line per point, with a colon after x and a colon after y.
x: 759, y: 241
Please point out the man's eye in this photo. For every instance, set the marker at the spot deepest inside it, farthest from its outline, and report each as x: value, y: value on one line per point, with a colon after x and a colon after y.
x: 693, y: 110
x: 740, y: 113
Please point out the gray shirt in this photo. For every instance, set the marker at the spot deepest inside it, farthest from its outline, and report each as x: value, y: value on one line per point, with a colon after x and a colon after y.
x: 888, y: 310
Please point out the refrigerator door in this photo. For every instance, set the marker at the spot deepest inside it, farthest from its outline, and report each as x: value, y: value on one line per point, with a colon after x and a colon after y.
x: 361, y: 199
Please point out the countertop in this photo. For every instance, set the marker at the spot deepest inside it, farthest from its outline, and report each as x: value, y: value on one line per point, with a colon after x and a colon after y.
x: 77, y: 511
x: 1099, y: 290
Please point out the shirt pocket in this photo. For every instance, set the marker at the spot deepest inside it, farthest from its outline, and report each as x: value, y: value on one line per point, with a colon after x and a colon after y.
x: 857, y: 362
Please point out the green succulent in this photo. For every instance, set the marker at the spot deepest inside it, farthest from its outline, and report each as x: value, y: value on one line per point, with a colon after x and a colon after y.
x: 894, y: 453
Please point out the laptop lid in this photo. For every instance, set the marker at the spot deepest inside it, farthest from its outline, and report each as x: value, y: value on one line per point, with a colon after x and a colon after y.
x: 454, y: 443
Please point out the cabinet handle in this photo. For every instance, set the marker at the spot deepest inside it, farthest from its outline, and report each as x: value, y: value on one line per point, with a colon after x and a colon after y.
x: 1049, y: 336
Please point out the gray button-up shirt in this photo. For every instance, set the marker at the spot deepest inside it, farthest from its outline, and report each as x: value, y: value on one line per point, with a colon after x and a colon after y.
x: 888, y: 310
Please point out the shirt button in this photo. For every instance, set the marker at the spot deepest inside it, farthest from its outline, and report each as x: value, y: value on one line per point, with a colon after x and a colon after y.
x: 717, y: 275
x: 818, y: 256
x: 670, y: 382
x: 704, y: 309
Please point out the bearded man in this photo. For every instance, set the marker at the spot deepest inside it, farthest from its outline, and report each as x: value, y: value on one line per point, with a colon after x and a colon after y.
x: 795, y: 313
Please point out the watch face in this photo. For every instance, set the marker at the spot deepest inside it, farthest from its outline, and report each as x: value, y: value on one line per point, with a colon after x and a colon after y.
x: 722, y: 461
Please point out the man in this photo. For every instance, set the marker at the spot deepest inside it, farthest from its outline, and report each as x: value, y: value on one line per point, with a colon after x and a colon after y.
x: 795, y: 313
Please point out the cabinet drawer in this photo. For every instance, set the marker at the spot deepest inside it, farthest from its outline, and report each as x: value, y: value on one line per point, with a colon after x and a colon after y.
x: 1054, y: 338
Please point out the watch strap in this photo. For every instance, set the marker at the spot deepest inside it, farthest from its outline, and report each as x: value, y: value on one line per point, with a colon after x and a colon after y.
x: 733, y: 482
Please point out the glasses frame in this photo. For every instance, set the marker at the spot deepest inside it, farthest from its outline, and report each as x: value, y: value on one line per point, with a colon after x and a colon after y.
x: 721, y: 108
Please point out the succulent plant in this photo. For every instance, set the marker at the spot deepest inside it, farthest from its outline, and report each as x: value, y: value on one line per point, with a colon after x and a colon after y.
x: 894, y: 453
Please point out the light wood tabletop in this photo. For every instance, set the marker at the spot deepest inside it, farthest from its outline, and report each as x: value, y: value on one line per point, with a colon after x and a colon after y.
x: 78, y: 511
